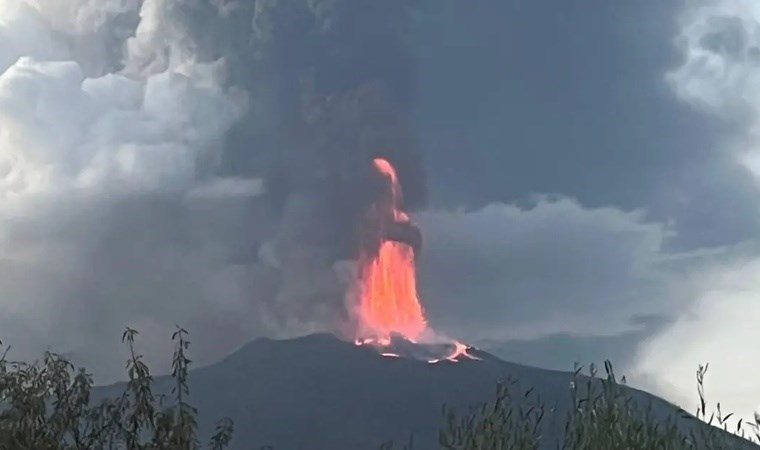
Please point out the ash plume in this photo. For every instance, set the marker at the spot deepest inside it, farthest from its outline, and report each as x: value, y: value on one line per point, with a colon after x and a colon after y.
x: 333, y: 88
x: 203, y: 162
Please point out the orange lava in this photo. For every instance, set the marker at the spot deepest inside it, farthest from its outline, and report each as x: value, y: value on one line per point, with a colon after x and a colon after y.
x: 389, y: 303
x: 381, y: 342
x: 460, y: 351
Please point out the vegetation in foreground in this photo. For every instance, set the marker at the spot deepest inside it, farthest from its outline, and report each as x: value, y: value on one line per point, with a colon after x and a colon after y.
x: 604, y: 417
x: 47, y: 406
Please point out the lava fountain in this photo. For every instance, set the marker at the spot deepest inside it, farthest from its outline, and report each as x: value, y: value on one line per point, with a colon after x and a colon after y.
x: 389, y: 306
x: 388, y: 297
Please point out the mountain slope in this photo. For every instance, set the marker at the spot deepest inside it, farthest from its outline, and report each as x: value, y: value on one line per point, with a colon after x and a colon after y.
x: 318, y: 392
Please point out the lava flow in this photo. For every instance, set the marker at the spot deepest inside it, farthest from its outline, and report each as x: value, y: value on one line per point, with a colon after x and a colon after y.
x: 388, y: 303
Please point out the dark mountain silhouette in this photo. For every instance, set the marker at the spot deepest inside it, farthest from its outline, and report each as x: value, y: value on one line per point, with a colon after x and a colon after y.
x: 318, y: 392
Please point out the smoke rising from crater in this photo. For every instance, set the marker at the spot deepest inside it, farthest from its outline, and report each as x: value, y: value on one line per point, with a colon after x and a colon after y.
x: 190, y: 161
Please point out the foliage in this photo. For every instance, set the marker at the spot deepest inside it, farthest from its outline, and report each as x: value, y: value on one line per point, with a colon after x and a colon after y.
x: 503, y: 423
x: 604, y: 416
x: 46, y: 405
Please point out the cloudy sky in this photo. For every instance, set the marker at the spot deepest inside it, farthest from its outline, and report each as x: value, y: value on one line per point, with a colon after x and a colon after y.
x: 590, y: 167
x: 592, y: 176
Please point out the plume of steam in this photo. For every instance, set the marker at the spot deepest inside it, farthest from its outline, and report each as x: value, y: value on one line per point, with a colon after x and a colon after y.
x: 193, y: 161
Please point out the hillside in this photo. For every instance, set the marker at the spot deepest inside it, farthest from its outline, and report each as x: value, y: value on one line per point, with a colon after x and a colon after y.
x: 318, y: 392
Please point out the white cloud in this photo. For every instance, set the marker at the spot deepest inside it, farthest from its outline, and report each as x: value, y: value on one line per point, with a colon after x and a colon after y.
x: 110, y: 211
x: 60, y: 130
x: 720, y: 329
x: 720, y: 75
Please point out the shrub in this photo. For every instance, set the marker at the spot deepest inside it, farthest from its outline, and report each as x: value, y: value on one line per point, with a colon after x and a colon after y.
x: 46, y: 405
x: 603, y: 416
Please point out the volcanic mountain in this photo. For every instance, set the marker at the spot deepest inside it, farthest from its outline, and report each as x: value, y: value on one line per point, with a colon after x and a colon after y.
x: 388, y: 380
x: 319, y: 392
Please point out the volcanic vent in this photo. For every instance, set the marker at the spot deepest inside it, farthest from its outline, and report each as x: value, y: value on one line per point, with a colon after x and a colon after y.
x: 389, y: 315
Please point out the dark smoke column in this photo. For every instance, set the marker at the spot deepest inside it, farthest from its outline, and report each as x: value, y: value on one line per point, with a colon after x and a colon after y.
x: 405, y: 232
x: 344, y: 78
x: 332, y: 87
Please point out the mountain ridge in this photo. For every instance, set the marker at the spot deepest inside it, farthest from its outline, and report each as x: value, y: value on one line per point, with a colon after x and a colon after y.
x: 319, y: 392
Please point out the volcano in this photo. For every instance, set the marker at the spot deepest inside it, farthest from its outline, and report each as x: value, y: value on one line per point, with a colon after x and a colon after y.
x: 388, y: 312
x: 321, y: 393
x: 388, y: 381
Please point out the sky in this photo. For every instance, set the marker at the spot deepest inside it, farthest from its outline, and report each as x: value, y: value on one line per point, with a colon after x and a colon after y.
x: 589, y: 173
x: 592, y: 183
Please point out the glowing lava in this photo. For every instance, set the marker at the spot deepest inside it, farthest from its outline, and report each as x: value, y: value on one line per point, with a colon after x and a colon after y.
x: 381, y: 342
x: 460, y: 350
x: 388, y: 303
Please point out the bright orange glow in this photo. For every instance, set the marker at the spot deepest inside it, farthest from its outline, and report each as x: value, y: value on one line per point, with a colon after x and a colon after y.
x: 389, y: 303
x: 460, y: 350
x: 385, y: 168
x: 382, y: 342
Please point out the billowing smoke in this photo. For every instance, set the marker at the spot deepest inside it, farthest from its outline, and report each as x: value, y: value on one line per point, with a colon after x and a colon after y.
x: 719, y: 41
x: 202, y: 162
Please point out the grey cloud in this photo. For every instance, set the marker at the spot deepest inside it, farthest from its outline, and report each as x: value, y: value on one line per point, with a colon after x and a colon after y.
x: 562, y: 351
x: 728, y: 36
x: 87, y: 268
x: 553, y: 267
x: 101, y: 224
x: 518, y: 98
x: 122, y: 200
x: 717, y: 75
